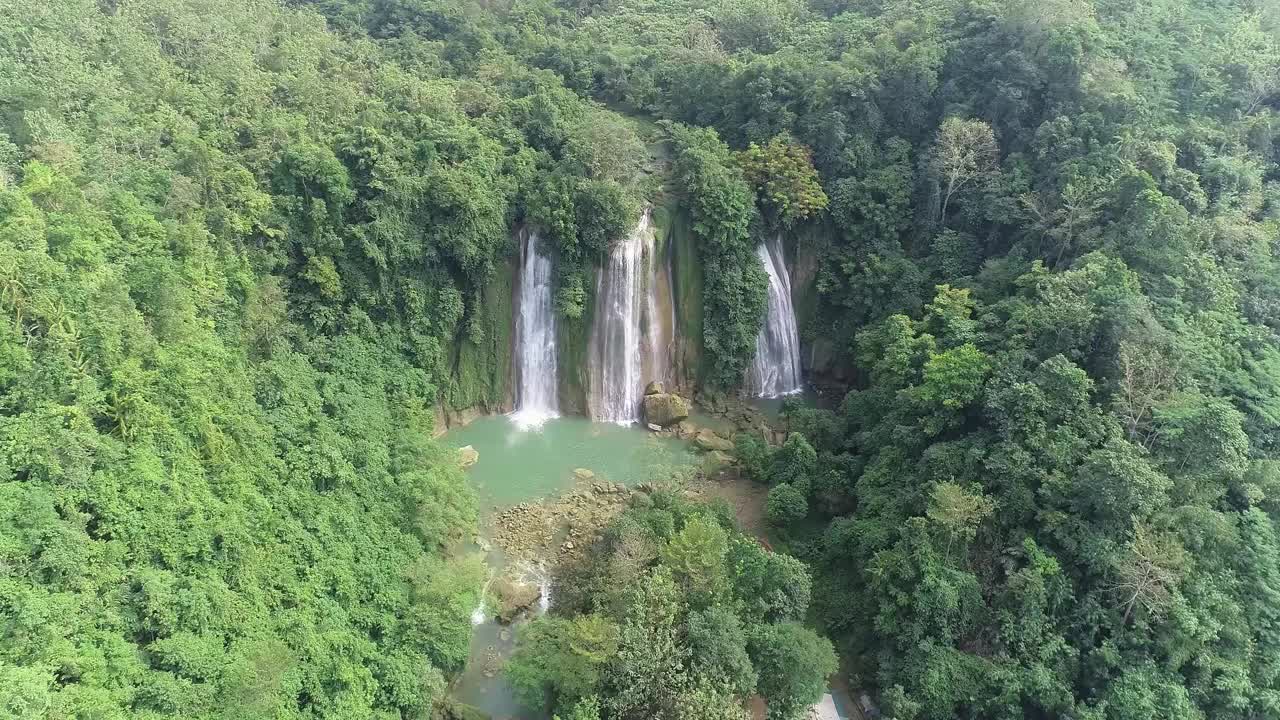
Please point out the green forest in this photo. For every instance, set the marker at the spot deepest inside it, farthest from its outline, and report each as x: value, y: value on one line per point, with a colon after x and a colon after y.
x: 256, y: 254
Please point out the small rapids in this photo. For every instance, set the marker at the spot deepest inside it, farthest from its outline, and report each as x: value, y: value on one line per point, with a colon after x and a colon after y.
x: 478, y: 615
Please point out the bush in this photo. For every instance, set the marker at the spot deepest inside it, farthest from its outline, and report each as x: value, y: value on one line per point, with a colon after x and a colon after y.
x: 753, y: 456
x: 786, y: 505
x: 794, y: 463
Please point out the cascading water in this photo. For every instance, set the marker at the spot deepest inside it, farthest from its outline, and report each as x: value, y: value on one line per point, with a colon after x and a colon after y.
x: 478, y: 615
x: 630, y: 337
x: 535, y: 338
x: 536, y: 574
x: 776, y: 368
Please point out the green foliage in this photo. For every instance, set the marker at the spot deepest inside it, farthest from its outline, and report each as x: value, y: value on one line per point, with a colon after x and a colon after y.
x: 685, y: 597
x: 190, y: 531
x: 786, y: 505
x: 648, y: 673
x: 696, y: 555
x: 560, y: 662
x: 586, y: 709
x: 785, y: 181
x: 718, y: 650
x: 767, y: 586
x: 753, y: 455
x: 734, y: 289
x: 953, y: 378
x: 794, y: 463
x: 246, y: 250
x: 794, y: 663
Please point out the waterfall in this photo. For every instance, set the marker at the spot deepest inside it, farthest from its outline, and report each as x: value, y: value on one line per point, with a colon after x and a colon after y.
x: 535, y: 338
x: 630, y: 335
x: 776, y: 368
x: 478, y: 615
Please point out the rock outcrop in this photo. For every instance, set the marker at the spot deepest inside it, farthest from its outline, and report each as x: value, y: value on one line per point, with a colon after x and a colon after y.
x: 665, y: 409
x: 708, y: 440
x: 468, y: 456
x: 514, y: 598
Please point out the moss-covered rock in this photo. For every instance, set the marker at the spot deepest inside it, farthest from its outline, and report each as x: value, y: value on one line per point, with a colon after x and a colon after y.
x: 479, y: 358
x: 709, y: 440
x: 573, y: 343
x: 665, y: 409
x: 675, y: 236
x: 514, y: 598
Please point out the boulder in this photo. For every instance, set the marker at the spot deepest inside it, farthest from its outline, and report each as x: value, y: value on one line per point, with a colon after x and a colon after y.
x: 655, y: 388
x: 720, y: 458
x: 654, y: 428
x: 583, y: 474
x: 686, y: 429
x: 708, y: 440
x: 468, y: 456
x: 665, y: 409
x: 513, y: 599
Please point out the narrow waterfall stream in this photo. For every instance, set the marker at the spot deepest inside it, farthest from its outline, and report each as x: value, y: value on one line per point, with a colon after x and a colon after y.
x: 775, y: 370
x: 478, y: 615
x: 631, y: 334
x: 536, y: 389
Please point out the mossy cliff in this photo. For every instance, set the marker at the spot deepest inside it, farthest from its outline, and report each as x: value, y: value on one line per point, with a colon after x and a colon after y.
x: 573, y: 343
x: 675, y: 240
x: 480, y: 360
x: 805, y: 246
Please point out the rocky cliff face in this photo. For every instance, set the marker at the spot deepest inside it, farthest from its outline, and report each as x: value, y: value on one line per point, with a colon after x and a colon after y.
x: 480, y: 369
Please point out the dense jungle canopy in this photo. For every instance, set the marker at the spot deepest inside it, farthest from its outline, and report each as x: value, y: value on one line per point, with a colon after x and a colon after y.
x: 251, y: 251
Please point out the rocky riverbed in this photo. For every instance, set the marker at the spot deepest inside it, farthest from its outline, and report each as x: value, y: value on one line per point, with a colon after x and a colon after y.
x: 556, y: 528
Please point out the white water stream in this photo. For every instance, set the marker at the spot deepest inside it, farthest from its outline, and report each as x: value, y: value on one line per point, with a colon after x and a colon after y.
x: 775, y: 370
x: 478, y: 615
x: 630, y: 335
x: 536, y: 387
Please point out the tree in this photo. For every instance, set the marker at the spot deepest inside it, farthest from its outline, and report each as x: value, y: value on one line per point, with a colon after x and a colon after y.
x: 793, y: 663
x: 695, y: 556
x: 718, y: 650
x: 647, y: 675
x: 794, y: 463
x: 953, y: 378
x: 734, y: 291
x: 786, y: 505
x: 768, y: 586
x: 753, y: 457
x: 964, y: 154
x: 1147, y: 572
x: 958, y: 512
x: 560, y: 662
x: 587, y: 708
x: 708, y: 702
x: 1147, y: 376
x: 759, y: 25
x: 785, y: 180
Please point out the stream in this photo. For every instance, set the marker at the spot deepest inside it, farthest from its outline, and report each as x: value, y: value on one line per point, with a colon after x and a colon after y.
x: 518, y: 465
